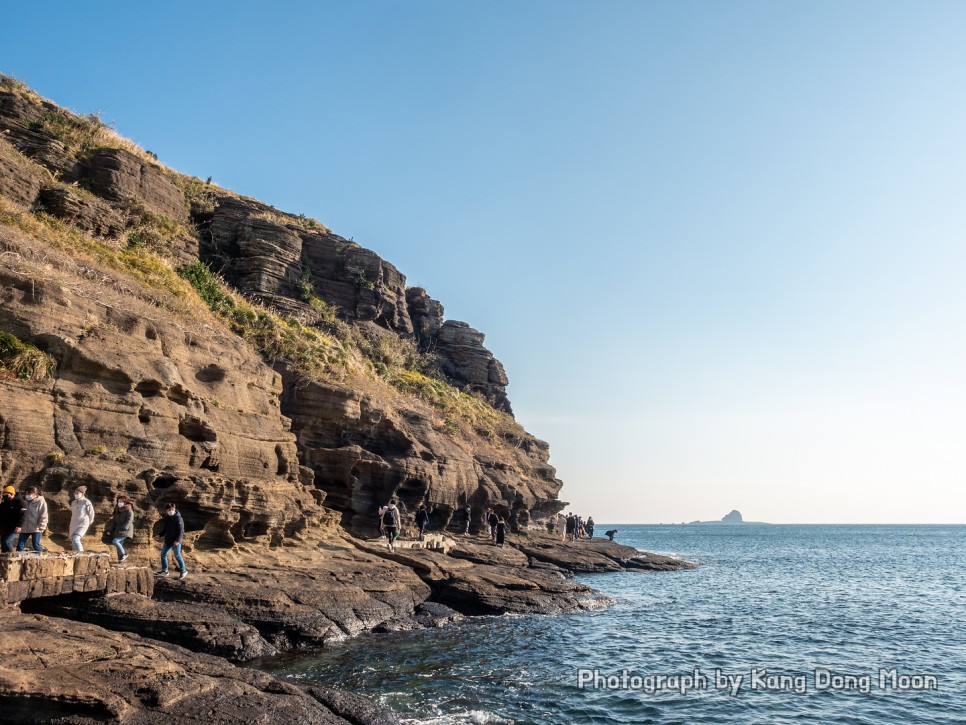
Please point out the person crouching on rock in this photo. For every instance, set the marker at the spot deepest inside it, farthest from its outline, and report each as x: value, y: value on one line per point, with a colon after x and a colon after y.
x: 610, y: 534
x: 81, y: 517
x: 172, y: 534
x: 12, y: 512
x: 390, y: 522
x: 422, y: 521
x: 501, y: 533
x: 121, y: 525
x: 34, y: 522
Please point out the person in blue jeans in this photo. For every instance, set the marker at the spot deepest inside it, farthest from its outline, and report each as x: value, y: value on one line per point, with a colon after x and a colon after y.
x: 12, y: 512
x: 172, y: 534
x: 121, y: 525
x: 34, y: 521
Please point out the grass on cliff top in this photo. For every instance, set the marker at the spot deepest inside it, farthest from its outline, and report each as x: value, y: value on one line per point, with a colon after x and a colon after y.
x: 81, y: 134
x: 140, y: 263
x: 23, y: 360
x: 275, y: 337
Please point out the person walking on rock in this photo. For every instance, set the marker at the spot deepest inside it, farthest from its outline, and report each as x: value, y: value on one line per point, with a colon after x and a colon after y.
x: 172, y: 534
x: 81, y: 517
x: 422, y: 521
x: 35, y: 521
x: 12, y: 512
x: 121, y: 525
x: 590, y: 527
x: 571, y: 527
x: 468, y: 512
x: 492, y: 520
x: 501, y: 533
x: 562, y: 526
x: 391, y: 523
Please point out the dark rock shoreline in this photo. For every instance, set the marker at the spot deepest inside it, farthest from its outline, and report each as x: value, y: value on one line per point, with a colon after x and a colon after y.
x: 131, y: 659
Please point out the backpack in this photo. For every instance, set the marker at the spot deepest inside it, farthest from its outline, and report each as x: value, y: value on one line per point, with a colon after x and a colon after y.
x: 387, y: 517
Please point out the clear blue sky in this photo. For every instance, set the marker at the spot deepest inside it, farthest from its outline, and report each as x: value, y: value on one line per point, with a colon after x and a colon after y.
x: 718, y: 245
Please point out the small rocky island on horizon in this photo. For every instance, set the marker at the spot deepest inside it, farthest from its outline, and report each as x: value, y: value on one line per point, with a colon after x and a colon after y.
x: 733, y: 517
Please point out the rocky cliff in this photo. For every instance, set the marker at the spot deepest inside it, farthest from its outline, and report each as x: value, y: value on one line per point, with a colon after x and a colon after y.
x: 170, y: 340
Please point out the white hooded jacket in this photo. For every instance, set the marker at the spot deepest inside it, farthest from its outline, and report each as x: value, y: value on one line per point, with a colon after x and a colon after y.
x: 81, y: 516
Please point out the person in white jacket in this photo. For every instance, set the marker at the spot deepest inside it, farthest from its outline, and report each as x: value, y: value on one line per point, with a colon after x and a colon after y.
x: 81, y: 517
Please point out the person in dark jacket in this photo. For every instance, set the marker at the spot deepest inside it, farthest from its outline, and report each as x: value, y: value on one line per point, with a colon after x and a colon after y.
x: 172, y: 534
x: 492, y: 520
x: 121, y: 525
x: 590, y: 527
x: 422, y: 520
x: 12, y: 511
x: 571, y: 527
x: 501, y: 533
x: 468, y: 513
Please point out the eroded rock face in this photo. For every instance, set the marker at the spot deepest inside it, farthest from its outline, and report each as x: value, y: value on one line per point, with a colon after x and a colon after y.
x: 362, y: 454
x: 460, y: 350
x: 119, y: 176
x: 18, y: 120
x: 283, y: 263
x: 84, y: 212
x: 142, y: 404
x: 20, y: 181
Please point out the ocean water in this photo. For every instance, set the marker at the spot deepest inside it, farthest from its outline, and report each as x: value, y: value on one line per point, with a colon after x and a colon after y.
x: 822, y: 624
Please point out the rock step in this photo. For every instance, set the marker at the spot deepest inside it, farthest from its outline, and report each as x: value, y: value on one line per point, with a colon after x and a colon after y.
x: 29, y: 575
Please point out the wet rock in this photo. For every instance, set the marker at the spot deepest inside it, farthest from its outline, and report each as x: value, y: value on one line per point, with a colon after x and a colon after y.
x: 352, y: 707
x: 588, y: 556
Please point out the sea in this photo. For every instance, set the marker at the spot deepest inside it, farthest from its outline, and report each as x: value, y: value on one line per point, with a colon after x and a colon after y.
x: 778, y: 624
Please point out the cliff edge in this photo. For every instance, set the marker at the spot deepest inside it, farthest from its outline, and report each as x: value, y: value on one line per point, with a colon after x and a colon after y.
x: 172, y: 341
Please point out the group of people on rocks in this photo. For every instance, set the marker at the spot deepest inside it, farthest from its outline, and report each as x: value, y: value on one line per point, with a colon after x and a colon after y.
x: 24, y: 518
x: 390, y: 523
x: 573, y: 527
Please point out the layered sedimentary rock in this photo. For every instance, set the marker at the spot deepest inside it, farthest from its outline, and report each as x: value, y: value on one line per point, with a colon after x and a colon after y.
x: 19, y: 120
x: 363, y: 452
x: 275, y: 258
x: 120, y: 176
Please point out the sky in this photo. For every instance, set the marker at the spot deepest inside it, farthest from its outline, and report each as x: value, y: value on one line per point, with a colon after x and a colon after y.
x: 717, y: 246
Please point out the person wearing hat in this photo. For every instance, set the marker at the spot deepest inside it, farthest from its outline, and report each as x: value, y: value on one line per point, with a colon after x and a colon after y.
x: 81, y: 517
x: 35, y: 522
x: 12, y: 511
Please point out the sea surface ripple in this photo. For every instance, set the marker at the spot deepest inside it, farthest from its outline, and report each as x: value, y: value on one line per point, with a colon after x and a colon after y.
x: 795, y: 601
